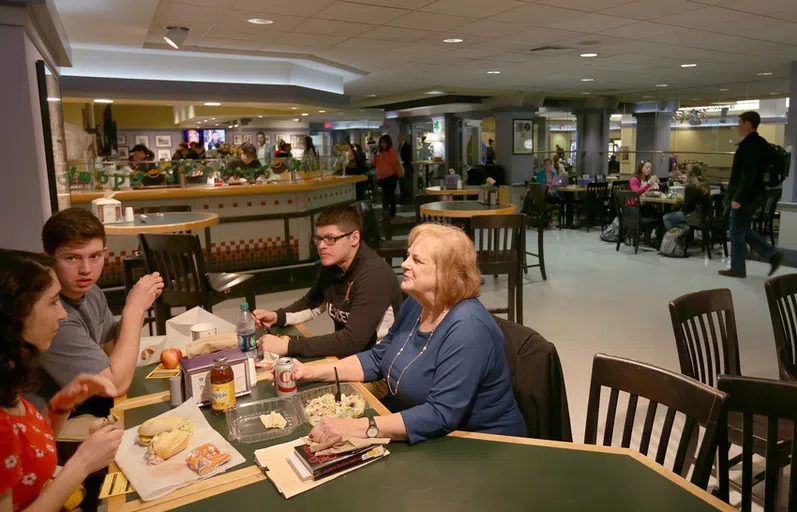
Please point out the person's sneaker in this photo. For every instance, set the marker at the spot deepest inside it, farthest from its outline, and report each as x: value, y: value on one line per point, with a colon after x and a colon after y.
x: 731, y: 273
x: 775, y: 262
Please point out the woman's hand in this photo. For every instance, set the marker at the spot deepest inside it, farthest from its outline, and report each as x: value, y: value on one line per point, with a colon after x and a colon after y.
x: 264, y: 318
x: 83, y: 387
x: 334, y: 429
x: 99, y: 449
x: 301, y: 372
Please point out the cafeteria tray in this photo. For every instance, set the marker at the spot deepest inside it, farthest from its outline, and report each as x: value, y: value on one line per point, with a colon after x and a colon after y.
x: 304, y: 397
x: 243, y: 421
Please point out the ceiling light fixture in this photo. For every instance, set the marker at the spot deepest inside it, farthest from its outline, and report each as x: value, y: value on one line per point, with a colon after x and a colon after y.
x: 175, y: 36
x: 259, y: 116
x: 434, y: 92
x: 587, y: 79
x: 260, y: 21
x: 294, y: 108
x: 724, y: 89
x: 212, y: 118
x: 230, y: 127
x: 765, y: 73
x: 589, y: 55
x: 453, y: 40
x: 103, y: 100
x: 647, y: 96
x: 688, y: 65
x: 773, y: 93
x: 305, y: 114
x: 53, y: 99
x: 493, y: 72
x: 661, y: 85
x: 371, y: 96
x: 322, y: 111
x: 297, y: 120
x: 212, y: 104
x: 586, y: 93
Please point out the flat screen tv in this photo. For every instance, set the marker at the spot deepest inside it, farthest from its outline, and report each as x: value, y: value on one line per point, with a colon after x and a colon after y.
x: 190, y: 136
x: 213, y: 138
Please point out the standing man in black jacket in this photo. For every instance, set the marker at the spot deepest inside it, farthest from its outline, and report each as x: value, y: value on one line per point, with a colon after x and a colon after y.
x: 356, y: 288
x: 746, y: 192
x: 406, y: 184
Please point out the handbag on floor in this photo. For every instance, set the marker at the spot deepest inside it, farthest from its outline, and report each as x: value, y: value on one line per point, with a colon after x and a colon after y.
x: 612, y: 231
x: 673, y: 244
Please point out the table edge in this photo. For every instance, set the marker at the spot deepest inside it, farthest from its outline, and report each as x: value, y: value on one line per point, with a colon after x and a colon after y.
x: 112, y: 230
x: 467, y: 214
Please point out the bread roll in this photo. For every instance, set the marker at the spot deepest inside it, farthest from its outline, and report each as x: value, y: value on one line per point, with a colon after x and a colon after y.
x: 154, y: 426
x: 167, y: 445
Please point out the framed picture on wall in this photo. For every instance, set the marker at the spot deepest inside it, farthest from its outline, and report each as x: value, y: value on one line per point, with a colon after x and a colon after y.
x: 163, y: 141
x: 248, y: 137
x: 268, y: 138
x: 522, y: 136
x: 236, y: 139
x: 121, y: 140
x: 123, y: 152
x: 142, y: 139
x: 164, y: 154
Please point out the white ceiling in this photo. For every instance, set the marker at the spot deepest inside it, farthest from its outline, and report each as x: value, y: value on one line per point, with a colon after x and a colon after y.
x: 399, y: 42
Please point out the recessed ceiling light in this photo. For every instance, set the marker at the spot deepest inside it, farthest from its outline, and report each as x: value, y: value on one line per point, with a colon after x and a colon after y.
x: 661, y: 85
x: 297, y: 120
x: 103, y: 100
x: 322, y: 111
x: 175, y: 36
x: 371, y: 96
x: 212, y: 118
x: 724, y: 89
x: 586, y: 93
x: 647, y: 96
x: 765, y: 73
x: 773, y: 93
x: 259, y: 116
x: 53, y: 99
x: 589, y: 54
x: 305, y: 114
x: 453, y: 40
x: 217, y: 124
x: 212, y: 104
x: 260, y: 21
x: 294, y: 108
x: 493, y: 72
x: 587, y: 79
x: 688, y: 65
x: 434, y: 92
x: 230, y: 127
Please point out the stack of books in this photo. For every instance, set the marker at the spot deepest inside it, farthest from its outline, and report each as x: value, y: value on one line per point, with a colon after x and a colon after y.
x: 309, y: 466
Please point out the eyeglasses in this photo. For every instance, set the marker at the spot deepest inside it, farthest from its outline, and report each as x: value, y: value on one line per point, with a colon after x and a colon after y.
x: 330, y: 240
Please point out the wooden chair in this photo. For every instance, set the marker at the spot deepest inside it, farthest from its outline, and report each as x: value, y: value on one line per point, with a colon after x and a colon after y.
x: 770, y: 401
x: 701, y: 405
x: 387, y: 249
x: 538, y: 216
x: 631, y: 221
x: 704, y: 326
x: 500, y: 242
x: 782, y: 300
x: 764, y: 220
x: 595, y: 203
x: 181, y: 262
x: 421, y: 199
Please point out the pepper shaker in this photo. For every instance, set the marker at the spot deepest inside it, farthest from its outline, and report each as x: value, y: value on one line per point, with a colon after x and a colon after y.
x: 175, y: 390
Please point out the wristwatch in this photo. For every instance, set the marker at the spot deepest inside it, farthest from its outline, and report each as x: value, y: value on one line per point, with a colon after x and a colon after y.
x: 373, y: 430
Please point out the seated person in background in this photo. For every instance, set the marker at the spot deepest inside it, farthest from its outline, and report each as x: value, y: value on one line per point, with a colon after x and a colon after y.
x: 696, y: 193
x: 248, y: 160
x: 642, y: 181
x: 443, y: 359
x: 614, y: 165
x: 357, y: 288
x: 283, y: 150
x: 29, y: 313
x: 89, y: 340
x: 181, y: 153
x: 147, y: 166
x: 545, y: 176
x: 197, y: 151
x: 558, y: 165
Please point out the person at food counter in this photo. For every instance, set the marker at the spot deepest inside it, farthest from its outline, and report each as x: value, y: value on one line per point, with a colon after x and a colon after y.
x: 443, y: 359
x: 90, y: 340
x: 311, y: 161
x: 181, y: 153
x: 196, y: 151
x: 30, y: 312
x: 141, y: 161
x: 356, y: 288
x: 386, y: 162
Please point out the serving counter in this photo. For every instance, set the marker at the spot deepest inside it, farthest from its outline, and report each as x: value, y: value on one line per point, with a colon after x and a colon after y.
x: 260, y: 226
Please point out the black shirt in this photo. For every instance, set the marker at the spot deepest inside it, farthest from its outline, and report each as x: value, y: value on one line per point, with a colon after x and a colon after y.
x: 747, y: 184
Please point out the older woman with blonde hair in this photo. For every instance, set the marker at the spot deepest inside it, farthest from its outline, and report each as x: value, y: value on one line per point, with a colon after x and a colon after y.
x: 443, y: 359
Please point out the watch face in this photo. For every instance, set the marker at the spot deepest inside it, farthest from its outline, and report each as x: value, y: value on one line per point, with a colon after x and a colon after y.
x: 372, y: 432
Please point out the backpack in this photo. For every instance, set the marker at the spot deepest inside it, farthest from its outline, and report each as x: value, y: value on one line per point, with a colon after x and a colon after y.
x: 612, y: 231
x: 673, y: 245
x: 777, y: 167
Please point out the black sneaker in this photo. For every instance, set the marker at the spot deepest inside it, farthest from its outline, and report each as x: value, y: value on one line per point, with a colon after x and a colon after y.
x: 775, y: 262
x: 731, y: 273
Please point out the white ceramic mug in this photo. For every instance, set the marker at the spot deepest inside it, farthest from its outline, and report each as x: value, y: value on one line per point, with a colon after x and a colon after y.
x: 203, y: 330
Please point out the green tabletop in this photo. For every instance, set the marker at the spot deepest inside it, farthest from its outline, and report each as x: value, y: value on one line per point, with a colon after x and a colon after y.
x: 466, y: 474
x: 142, y: 386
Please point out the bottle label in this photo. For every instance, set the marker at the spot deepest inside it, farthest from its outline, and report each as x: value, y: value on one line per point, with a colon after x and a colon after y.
x: 222, y: 396
x: 247, y: 342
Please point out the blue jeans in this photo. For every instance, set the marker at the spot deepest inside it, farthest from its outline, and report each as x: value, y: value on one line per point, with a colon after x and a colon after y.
x: 672, y: 219
x: 742, y: 234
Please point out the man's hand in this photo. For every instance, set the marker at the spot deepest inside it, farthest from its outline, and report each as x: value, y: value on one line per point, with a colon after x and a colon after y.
x: 735, y: 205
x: 83, y: 387
x: 273, y: 344
x: 144, y: 293
x: 264, y: 318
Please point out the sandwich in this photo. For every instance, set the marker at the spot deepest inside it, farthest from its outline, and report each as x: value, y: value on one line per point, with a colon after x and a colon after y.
x: 154, y: 426
x: 165, y: 437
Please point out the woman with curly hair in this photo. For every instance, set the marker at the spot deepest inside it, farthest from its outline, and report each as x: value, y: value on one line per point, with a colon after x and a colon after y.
x: 30, y: 309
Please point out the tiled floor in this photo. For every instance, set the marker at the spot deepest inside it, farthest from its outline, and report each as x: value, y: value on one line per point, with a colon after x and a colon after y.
x: 599, y: 300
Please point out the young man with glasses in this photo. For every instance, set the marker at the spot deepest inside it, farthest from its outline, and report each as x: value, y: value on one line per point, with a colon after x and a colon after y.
x: 357, y: 288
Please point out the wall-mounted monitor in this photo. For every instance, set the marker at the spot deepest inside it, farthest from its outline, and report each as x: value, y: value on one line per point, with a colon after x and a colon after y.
x: 214, y: 138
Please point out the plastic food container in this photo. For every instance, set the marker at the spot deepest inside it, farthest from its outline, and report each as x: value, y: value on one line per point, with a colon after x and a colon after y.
x: 304, y: 397
x: 244, y: 425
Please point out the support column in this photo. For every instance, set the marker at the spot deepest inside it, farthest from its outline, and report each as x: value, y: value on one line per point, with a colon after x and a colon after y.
x: 517, y: 168
x: 592, y: 143
x: 541, y: 144
x: 653, y: 140
x: 787, y: 237
x: 453, y: 131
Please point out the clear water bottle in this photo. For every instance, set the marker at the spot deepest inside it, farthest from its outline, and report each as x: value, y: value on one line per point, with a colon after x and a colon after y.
x: 245, y: 327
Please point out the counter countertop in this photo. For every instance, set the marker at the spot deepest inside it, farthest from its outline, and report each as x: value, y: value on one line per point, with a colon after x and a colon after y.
x: 228, y: 190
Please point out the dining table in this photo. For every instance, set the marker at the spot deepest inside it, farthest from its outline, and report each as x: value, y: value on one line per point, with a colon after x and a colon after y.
x: 453, y: 194
x: 568, y: 195
x: 459, y: 471
x: 166, y: 222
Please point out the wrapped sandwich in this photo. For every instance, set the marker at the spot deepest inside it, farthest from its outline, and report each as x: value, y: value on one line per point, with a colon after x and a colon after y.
x: 165, y: 437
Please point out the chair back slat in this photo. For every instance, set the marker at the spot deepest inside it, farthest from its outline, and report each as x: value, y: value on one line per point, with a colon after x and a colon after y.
x: 775, y: 401
x: 706, y: 352
x: 630, y: 414
x: 180, y: 261
x: 782, y: 300
x: 702, y: 406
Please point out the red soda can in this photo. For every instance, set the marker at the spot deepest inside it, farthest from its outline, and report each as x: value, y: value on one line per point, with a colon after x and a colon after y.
x: 284, y: 375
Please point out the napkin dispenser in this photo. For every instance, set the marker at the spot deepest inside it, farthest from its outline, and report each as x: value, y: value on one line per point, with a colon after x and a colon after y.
x: 107, y: 210
x: 196, y: 374
x: 488, y: 195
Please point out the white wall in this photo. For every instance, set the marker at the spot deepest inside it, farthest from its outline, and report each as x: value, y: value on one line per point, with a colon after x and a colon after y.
x: 24, y: 196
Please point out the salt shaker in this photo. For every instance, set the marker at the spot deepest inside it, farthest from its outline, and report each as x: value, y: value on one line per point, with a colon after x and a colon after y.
x: 175, y: 390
